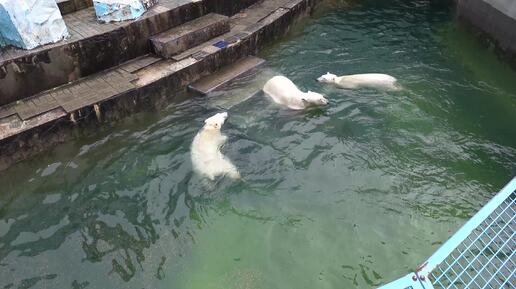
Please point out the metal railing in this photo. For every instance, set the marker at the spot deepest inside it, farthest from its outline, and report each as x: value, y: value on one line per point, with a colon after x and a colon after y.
x: 481, y: 254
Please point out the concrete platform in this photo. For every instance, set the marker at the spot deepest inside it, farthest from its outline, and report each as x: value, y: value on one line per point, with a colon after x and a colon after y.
x: 28, y: 113
x: 190, y: 34
x: 95, y: 46
x: 226, y: 74
x: 44, y: 120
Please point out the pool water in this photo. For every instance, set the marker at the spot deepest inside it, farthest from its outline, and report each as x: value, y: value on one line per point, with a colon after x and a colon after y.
x: 351, y: 195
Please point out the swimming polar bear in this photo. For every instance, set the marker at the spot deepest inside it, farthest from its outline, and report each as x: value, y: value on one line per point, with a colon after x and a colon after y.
x: 207, y: 159
x: 283, y: 91
x: 373, y: 80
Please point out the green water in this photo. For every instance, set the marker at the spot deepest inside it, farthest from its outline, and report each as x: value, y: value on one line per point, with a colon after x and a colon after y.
x: 349, y: 196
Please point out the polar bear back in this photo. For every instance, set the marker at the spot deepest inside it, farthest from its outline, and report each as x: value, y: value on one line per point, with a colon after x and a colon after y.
x: 375, y: 80
x: 207, y: 158
x: 206, y: 144
x: 283, y: 91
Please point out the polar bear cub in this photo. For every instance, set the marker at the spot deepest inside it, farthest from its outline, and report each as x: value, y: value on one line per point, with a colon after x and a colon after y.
x: 283, y: 91
x: 372, y: 80
x: 207, y: 159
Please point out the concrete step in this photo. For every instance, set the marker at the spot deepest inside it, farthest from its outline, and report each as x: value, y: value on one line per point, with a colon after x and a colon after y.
x: 221, y: 41
x: 190, y: 34
x: 69, y: 6
x: 55, y: 103
x: 226, y: 75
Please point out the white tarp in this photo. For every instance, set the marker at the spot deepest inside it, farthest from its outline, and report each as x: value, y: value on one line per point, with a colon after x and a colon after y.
x: 120, y: 10
x: 30, y: 23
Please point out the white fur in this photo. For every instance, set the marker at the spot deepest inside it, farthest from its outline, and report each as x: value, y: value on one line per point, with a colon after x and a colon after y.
x: 283, y: 91
x: 372, y: 80
x: 207, y: 159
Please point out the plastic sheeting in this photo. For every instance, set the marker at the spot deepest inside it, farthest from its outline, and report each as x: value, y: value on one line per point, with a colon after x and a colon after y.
x: 30, y: 23
x: 120, y: 10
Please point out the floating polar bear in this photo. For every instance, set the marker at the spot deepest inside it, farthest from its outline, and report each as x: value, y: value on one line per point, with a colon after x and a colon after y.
x: 373, y: 80
x: 205, y: 151
x: 283, y: 91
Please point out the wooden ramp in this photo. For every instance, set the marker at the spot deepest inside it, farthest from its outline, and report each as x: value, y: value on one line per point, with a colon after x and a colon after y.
x: 226, y: 74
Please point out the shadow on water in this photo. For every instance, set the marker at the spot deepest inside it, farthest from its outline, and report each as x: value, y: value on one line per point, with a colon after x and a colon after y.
x: 350, y: 195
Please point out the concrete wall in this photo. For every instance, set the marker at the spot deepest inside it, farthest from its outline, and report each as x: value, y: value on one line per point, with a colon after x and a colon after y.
x: 496, y: 18
x: 507, y: 7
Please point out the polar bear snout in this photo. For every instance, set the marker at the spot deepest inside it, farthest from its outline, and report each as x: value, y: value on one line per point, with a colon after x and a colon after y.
x: 222, y: 115
x: 327, y: 78
x: 314, y: 98
x: 321, y: 101
x: 216, y: 121
x: 321, y: 79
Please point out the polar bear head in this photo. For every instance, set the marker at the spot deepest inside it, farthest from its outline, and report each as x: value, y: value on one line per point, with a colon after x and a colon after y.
x: 216, y: 121
x: 327, y: 78
x: 313, y: 98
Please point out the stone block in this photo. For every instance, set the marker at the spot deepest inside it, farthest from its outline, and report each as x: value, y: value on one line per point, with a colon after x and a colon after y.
x: 30, y: 23
x: 190, y: 34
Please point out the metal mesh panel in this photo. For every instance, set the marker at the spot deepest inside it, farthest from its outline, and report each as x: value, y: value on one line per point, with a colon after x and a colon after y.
x: 486, y: 258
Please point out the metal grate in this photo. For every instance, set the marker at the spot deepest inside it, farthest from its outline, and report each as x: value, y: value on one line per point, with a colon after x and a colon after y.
x: 485, y: 259
x: 481, y: 254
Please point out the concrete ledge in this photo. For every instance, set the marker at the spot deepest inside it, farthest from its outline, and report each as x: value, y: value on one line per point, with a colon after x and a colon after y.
x: 497, y: 25
x: 190, y: 34
x: 154, y: 83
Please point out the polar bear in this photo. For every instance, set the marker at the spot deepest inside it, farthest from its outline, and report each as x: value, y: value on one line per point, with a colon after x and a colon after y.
x: 373, y: 80
x: 283, y: 91
x: 207, y: 159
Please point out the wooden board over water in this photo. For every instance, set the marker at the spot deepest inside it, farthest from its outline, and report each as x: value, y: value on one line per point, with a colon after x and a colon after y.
x: 226, y: 74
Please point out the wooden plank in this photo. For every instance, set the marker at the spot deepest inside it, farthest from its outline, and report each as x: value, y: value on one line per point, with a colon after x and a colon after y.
x: 7, y: 110
x: 13, y: 125
x: 226, y: 74
x: 35, y: 106
x: 26, y: 109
